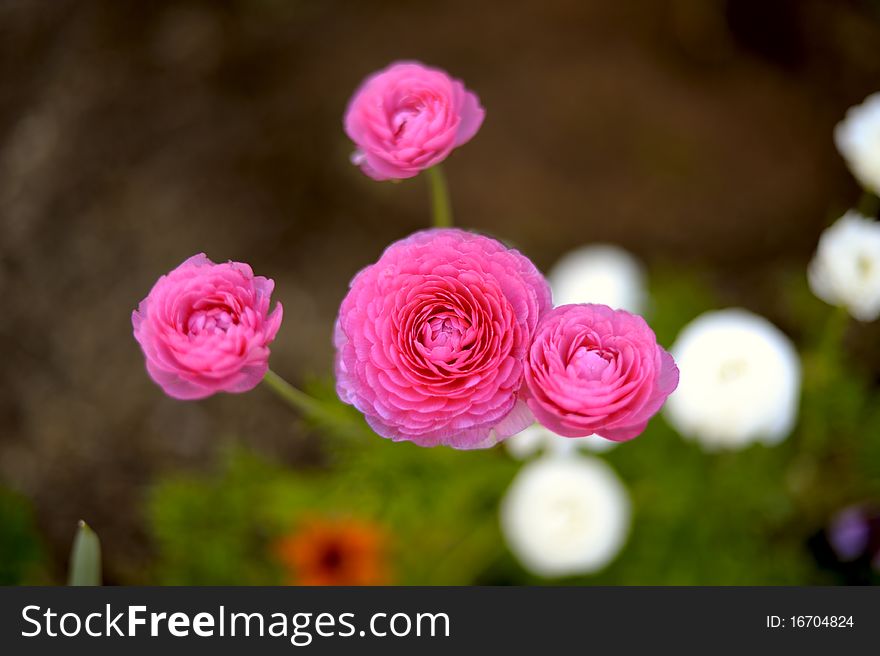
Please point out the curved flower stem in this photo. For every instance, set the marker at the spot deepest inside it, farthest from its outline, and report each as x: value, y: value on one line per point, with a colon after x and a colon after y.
x: 299, y: 400
x: 441, y: 208
x: 834, y: 333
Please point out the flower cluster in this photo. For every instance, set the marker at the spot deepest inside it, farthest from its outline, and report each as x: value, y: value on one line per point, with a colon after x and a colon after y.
x: 450, y: 338
x: 846, y: 268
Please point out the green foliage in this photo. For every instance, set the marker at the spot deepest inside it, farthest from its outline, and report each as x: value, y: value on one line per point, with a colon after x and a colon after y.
x: 677, y: 297
x: 212, y: 530
x: 438, y: 508
x: 21, y: 551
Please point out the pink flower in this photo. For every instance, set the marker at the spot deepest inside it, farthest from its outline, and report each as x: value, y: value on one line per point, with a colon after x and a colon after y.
x: 592, y: 369
x: 431, y: 339
x: 206, y: 328
x: 408, y: 118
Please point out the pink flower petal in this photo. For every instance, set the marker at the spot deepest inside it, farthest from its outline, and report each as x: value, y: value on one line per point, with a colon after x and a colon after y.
x: 205, y: 328
x: 407, y: 118
x: 592, y: 369
x: 431, y: 339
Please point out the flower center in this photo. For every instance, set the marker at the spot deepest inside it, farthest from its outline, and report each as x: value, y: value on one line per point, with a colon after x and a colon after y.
x: 403, y: 115
x: 210, y: 319
x: 864, y: 266
x: 412, y: 112
x: 443, y: 336
x: 589, y: 363
x: 731, y: 370
x: 569, y: 517
x: 332, y: 557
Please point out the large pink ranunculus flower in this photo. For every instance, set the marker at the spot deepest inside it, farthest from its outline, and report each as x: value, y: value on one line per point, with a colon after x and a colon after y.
x: 206, y: 328
x: 431, y: 339
x: 592, y: 369
x: 409, y: 117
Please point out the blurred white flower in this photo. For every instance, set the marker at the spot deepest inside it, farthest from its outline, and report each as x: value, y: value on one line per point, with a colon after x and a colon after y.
x: 600, y: 273
x: 565, y: 516
x: 740, y: 381
x: 857, y: 138
x: 536, y: 438
x: 846, y: 268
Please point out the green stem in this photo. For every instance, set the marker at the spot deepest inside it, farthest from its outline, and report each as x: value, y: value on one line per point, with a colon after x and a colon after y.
x: 331, y: 415
x: 441, y: 208
x: 835, y: 330
x: 301, y: 401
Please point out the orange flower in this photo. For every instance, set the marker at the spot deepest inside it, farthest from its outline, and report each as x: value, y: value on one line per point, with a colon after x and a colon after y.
x: 334, y: 552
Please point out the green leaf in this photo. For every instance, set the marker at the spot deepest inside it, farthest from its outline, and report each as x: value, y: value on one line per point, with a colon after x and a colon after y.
x: 85, y: 557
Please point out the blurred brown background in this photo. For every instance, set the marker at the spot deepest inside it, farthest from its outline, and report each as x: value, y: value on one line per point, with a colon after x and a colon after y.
x: 134, y: 134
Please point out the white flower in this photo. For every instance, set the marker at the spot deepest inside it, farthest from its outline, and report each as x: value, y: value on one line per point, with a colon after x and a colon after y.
x: 740, y: 381
x: 600, y: 273
x: 846, y: 268
x: 536, y: 438
x: 565, y: 516
x: 857, y: 138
